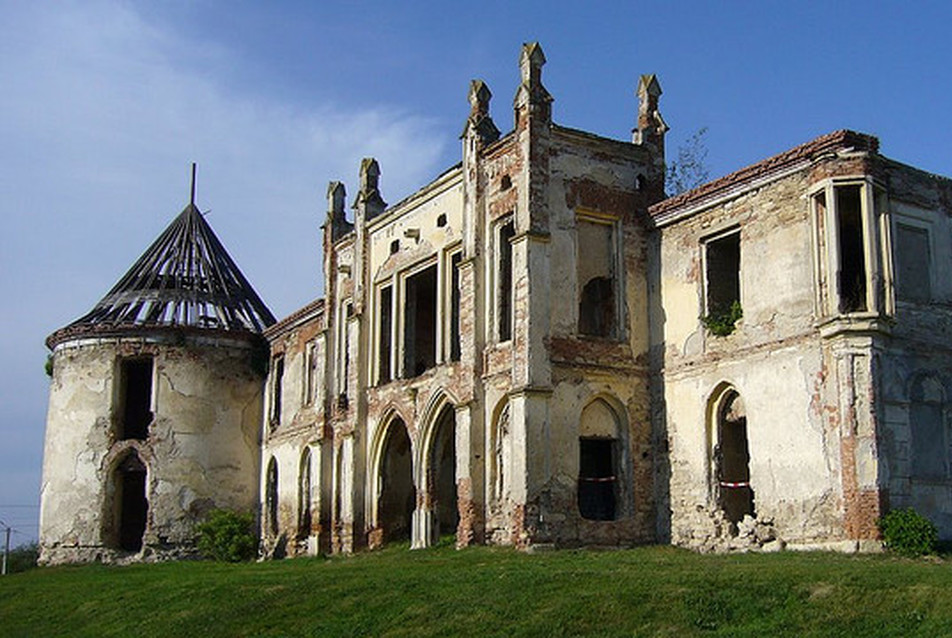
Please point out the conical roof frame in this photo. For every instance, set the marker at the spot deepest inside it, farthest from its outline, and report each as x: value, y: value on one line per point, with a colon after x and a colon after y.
x: 186, y: 278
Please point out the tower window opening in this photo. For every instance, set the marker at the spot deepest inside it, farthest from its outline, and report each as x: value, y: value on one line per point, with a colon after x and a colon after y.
x: 136, y: 384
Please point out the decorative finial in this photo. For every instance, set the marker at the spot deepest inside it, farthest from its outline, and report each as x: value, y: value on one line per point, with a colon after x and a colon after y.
x: 191, y: 199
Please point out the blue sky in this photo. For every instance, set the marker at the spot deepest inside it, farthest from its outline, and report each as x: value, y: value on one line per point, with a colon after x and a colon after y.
x: 104, y: 104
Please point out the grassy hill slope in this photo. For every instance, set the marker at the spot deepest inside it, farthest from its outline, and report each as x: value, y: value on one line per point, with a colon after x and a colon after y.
x: 490, y: 591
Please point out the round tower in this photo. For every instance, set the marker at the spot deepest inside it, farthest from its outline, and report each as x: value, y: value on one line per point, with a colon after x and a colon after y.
x: 155, y: 405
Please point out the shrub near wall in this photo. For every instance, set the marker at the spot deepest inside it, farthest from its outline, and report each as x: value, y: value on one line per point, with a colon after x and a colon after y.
x: 228, y: 536
x: 908, y: 533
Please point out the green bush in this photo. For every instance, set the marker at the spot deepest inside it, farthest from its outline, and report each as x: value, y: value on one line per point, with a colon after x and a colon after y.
x: 908, y: 533
x: 228, y: 536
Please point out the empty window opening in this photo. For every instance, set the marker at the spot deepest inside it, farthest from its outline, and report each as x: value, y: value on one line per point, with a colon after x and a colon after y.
x: 386, y: 338
x: 397, y: 495
x: 913, y: 264
x: 271, y: 497
x: 595, y: 270
x: 136, y: 391
x: 441, y: 220
x: 596, y: 308
x: 852, y: 274
x: 596, y: 479
x: 310, y: 373
x: 600, y: 453
x: 443, y: 474
x: 722, y: 260
x: 304, y: 496
x: 394, y: 246
x: 930, y: 452
x: 338, y: 513
x: 343, y: 379
x: 504, y: 272
x: 732, y: 461
x: 277, y: 384
x: 133, y: 506
x: 454, y: 306
x: 420, y: 323
x: 505, y: 183
x: 820, y: 212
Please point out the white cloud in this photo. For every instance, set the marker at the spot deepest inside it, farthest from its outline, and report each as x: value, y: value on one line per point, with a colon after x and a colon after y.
x: 101, y: 113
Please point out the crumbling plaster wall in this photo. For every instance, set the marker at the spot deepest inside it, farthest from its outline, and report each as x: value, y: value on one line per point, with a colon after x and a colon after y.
x: 915, y: 363
x: 413, y: 224
x: 773, y: 359
x: 202, y: 450
x: 596, y: 178
x: 301, y: 429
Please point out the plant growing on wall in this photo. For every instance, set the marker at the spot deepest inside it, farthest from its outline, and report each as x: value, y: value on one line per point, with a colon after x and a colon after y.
x: 721, y: 324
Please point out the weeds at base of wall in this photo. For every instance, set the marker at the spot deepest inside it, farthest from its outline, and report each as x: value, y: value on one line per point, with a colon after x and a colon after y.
x: 908, y: 533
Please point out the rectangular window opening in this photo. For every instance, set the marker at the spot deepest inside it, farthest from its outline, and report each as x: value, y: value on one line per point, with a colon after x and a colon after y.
x: 595, y: 261
x: 310, y: 365
x: 722, y: 260
x: 852, y: 273
x: 504, y: 265
x: 420, y: 323
x: 277, y: 383
x: 597, y: 479
x: 913, y: 264
x: 136, y: 388
x: 386, y: 340
x: 454, y: 307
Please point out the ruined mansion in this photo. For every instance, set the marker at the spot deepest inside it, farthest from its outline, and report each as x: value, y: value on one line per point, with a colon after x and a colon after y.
x: 536, y: 349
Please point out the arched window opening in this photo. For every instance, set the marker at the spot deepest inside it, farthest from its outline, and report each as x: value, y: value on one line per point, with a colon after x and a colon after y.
x: 443, y: 473
x: 501, y: 456
x: 132, y: 504
x: 304, y: 496
x: 397, y: 493
x: 599, y: 463
x: 732, y: 460
x: 271, y: 496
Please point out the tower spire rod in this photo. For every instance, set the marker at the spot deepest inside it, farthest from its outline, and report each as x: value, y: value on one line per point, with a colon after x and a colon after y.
x: 192, y: 197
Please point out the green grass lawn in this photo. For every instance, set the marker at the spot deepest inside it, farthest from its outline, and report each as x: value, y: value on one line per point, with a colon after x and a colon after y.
x: 650, y: 591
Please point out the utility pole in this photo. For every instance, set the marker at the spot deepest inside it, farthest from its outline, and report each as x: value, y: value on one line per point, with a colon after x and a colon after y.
x: 6, y: 548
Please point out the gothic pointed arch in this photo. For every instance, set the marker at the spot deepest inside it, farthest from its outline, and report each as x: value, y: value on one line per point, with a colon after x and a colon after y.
x: 393, y: 490
x: 436, y: 476
x: 500, y: 445
x: 127, y: 501
x: 271, y: 497
x: 305, y: 493
x: 730, y: 453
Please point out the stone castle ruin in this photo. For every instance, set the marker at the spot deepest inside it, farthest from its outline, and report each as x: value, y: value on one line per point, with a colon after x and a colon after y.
x: 536, y: 349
